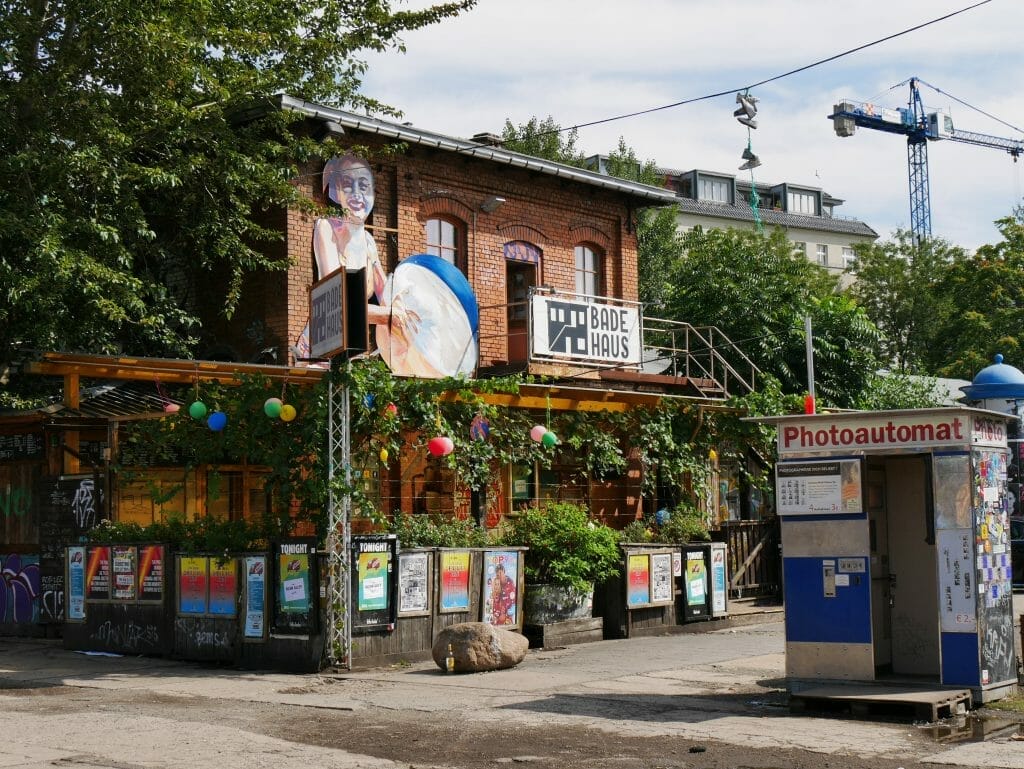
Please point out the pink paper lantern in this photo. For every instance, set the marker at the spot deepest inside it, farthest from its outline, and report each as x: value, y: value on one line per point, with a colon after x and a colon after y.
x: 537, y: 433
x: 441, y: 446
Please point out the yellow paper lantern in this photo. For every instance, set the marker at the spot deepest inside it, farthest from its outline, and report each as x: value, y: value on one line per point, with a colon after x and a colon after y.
x: 288, y: 412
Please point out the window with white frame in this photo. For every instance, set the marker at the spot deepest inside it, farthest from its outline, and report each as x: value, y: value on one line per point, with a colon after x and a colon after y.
x: 715, y: 189
x: 849, y: 258
x: 443, y: 240
x: 823, y: 255
x: 588, y: 271
x: 801, y: 203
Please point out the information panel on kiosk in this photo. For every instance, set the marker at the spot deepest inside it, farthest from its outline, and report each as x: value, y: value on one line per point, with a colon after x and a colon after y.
x: 819, y: 487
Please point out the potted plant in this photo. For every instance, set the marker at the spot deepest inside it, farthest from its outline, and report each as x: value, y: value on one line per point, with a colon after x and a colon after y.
x: 568, y: 553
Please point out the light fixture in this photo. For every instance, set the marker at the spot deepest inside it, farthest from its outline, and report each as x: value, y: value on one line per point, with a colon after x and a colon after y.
x: 492, y: 204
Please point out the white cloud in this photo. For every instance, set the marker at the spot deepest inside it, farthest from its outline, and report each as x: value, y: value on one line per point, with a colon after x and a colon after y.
x: 583, y: 61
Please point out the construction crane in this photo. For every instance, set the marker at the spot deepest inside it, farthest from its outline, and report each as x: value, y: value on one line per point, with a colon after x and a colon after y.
x: 919, y: 127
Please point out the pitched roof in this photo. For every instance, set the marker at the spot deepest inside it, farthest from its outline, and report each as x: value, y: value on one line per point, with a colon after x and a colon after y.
x: 411, y: 135
x: 771, y: 217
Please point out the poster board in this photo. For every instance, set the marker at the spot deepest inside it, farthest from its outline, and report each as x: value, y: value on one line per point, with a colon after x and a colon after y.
x: 193, y: 574
x: 97, y: 573
x: 503, y: 579
x: 295, y: 576
x: 223, y: 586
x: 74, y: 578
x: 454, y: 581
x: 819, y: 487
x: 374, y: 586
x: 638, y: 580
x: 151, y: 574
x: 255, y: 602
x: 415, y: 583
x: 662, y: 583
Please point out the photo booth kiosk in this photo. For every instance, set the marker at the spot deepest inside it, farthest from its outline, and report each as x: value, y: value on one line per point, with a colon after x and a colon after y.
x: 896, y: 551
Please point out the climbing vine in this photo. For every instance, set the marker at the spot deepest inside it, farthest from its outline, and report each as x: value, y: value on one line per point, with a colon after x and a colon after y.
x: 391, y: 417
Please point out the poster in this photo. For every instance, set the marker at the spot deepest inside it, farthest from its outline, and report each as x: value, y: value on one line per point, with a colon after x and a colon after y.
x: 123, y: 570
x: 192, y: 584
x: 719, y: 579
x: 638, y: 574
x: 372, y: 573
x: 374, y: 585
x: 97, y: 573
x: 454, y: 581
x: 295, y: 586
x: 501, y: 583
x: 76, y: 584
x: 255, y: 595
x: 956, y: 581
x: 413, y: 583
x: 151, y: 573
x: 830, y: 487
x: 696, y: 579
x: 661, y: 577
x: 223, y: 584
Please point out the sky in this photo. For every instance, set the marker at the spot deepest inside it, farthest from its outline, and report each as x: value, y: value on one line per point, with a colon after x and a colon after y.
x: 586, y: 60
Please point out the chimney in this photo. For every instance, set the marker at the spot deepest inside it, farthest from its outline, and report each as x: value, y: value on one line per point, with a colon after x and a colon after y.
x: 487, y: 139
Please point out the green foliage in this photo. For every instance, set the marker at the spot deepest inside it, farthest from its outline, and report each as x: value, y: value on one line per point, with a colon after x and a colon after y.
x: 202, y: 535
x: 542, y: 139
x: 132, y: 150
x: 758, y: 290
x: 566, y: 546
x: 893, y: 390
x: 434, y: 531
x: 897, y: 284
x: 685, y: 524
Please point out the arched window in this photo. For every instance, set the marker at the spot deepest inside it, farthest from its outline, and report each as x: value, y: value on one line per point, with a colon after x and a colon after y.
x: 445, y: 239
x: 589, y: 278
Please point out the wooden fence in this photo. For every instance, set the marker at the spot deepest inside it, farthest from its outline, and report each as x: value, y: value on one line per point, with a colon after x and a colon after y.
x: 754, y: 557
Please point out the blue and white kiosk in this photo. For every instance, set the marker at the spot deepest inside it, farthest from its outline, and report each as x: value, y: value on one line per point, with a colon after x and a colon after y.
x: 895, y: 545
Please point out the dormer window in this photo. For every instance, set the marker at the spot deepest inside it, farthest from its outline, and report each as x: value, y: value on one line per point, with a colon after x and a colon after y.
x: 801, y: 203
x: 717, y: 190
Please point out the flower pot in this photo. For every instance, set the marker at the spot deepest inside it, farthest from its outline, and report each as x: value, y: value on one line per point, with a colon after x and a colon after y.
x: 545, y: 604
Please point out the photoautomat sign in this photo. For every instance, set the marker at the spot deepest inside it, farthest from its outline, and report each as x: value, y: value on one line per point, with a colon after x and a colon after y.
x: 927, y: 430
x: 590, y: 331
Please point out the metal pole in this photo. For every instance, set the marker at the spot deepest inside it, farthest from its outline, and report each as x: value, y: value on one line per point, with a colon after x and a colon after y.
x: 339, y: 534
x: 810, y: 362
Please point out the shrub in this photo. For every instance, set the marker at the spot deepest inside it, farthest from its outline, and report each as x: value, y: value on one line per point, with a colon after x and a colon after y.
x: 431, y: 531
x: 566, y: 546
x: 686, y: 524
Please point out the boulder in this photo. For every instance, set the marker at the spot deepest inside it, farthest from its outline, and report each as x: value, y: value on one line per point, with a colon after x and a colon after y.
x: 479, y: 646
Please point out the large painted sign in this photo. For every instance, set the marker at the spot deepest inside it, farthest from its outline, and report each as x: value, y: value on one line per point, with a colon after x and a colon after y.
x: 587, y: 331
x: 423, y: 317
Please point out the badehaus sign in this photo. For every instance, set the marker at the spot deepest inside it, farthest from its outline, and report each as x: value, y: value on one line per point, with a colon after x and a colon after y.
x: 591, y: 331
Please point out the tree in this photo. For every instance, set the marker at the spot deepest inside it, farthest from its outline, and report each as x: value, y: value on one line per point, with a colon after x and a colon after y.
x: 659, y: 244
x: 125, y: 156
x: 757, y: 290
x: 543, y: 139
x: 985, y: 297
x: 896, y: 284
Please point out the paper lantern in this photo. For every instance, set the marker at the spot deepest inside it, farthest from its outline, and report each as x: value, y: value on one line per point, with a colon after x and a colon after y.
x: 288, y: 412
x: 272, y: 407
x: 662, y: 516
x: 549, y: 439
x: 391, y: 410
x: 383, y: 455
x: 197, y: 410
x: 537, y: 432
x: 369, y: 399
x: 217, y: 421
x: 171, y: 408
x: 441, y: 446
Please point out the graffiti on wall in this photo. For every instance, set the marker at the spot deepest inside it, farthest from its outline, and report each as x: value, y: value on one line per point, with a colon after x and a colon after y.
x: 15, y: 502
x: 19, y: 588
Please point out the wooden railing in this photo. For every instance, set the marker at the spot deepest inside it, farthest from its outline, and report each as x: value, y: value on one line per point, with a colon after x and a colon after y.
x: 755, y: 568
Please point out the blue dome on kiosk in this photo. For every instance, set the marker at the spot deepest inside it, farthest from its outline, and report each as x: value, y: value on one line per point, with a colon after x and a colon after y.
x: 999, y: 380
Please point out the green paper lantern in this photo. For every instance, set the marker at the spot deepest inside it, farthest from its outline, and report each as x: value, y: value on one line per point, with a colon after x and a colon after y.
x: 197, y: 410
x: 272, y: 407
x: 549, y: 439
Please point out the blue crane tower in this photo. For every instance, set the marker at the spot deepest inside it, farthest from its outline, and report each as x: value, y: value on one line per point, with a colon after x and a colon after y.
x: 919, y: 127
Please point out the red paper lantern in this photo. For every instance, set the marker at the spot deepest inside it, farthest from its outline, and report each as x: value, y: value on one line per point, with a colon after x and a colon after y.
x: 537, y: 432
x: 441, y: 446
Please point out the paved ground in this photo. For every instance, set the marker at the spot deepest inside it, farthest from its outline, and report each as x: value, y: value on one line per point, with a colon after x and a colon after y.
x: 712, y: 699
